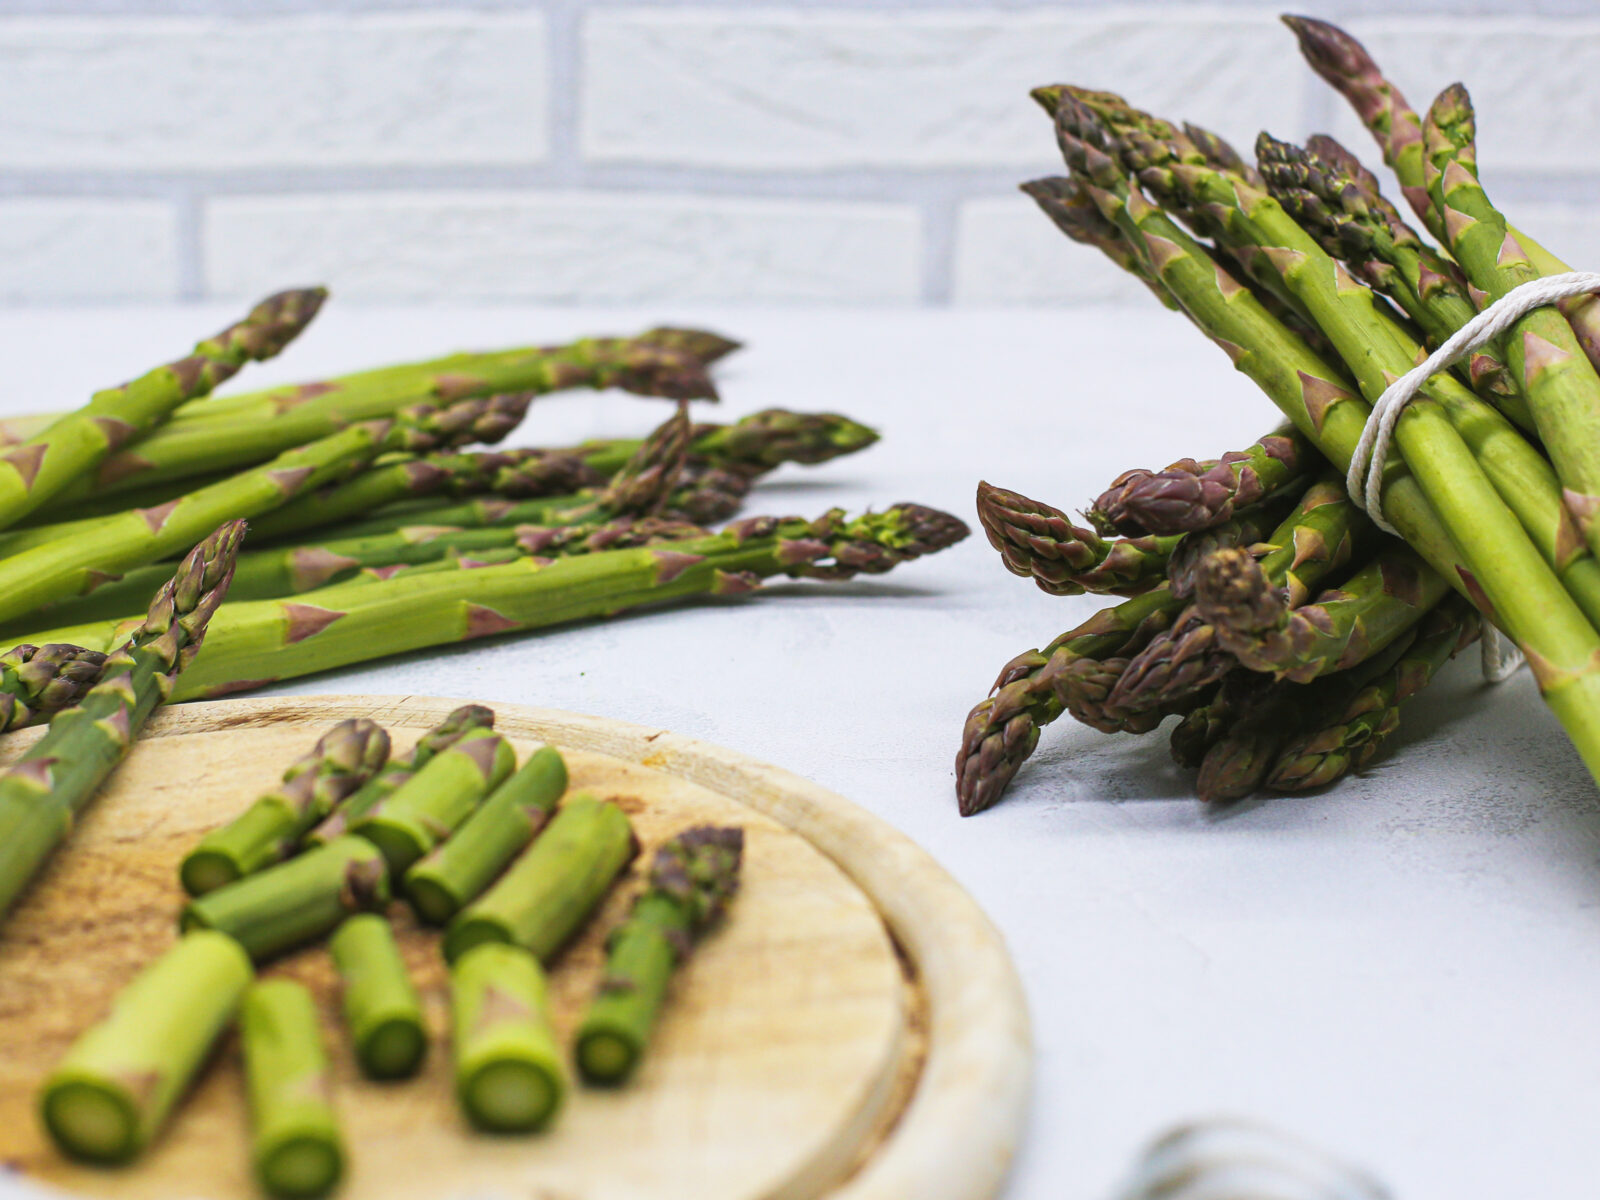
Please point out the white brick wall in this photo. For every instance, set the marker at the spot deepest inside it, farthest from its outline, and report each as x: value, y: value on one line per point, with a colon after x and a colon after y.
x: 781, y: 89
x: 563, y: 246
x: 419, y: 89
x: 848, y: 151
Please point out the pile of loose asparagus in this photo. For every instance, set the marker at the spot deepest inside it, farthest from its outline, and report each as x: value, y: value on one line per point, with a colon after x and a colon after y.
x: 372, y: 530
x: 1265, y: 611
x: 477, y: 844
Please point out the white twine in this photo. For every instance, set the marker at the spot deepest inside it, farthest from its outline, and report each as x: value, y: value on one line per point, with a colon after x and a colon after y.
x: 1229, y: 1158
x: 1365, y: 477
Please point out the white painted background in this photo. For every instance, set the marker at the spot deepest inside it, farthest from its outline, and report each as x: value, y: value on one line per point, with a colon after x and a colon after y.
x: 856, y: 152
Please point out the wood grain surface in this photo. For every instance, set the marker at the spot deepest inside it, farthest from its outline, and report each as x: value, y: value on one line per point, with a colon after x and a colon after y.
x: 793, y: 1046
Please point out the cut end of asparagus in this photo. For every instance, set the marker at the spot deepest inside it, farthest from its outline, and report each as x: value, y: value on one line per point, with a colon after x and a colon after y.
x: 510, y: 1096
x: 301, y: 1168
x: 205, y: 870
x: 393, y: 1049
x: 91, y: 1120
x: 434, y: 903
x: 606, y: 1056
x: 472, y: 930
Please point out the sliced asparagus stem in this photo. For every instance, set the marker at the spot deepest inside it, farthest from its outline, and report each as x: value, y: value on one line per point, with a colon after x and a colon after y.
x: 459, y: 870
x: 426, y: 808
x: 272, y: 828
x: 509, y: 1077
x: 71, y: 448
x: 114, y: 1089
x: 295, y: 902
x: 381, y: 1007
x: 295, y: 1144
x: 545, y: 895
x: 691, y: 881
x: 442, y: 736
x: 43, y: 793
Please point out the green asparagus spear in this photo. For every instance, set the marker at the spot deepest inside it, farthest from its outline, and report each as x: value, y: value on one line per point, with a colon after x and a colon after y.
x: 44, y: 791
x: 1039, y: 541
x: 295, y: 1144
x: 38, y: 469
x: 60, y: 569
x: 1344, y: 739
x: 297, y: 901
x: 112, y: 1092
x: 509, y: 1077
x: 1190, y: 495
x: 549, y: 891
x: 1344, y: 626
x: 246, y: 429
x: 1316, y: 539
x: 1344, y: 63
x: 399, y: 769
x: 1323, y: 187
x: 457, y: 871
x: 272, y: 828
x: 1033, y: 690
x: 381, y: 1005
x: 691, y: 881
x: 253, y: 643
x: 1561, y: 384
x: 426, y: 808
x: 1237, y: 763
x: 36, y: 681
x: 1209, y: 721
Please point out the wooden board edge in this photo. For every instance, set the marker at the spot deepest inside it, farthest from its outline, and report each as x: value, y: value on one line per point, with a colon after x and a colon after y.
x: 957, y: 1135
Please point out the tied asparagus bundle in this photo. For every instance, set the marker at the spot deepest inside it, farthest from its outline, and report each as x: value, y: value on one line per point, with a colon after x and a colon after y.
x: 1285, y: 660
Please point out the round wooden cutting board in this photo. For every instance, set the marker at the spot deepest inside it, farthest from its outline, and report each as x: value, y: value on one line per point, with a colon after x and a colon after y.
x: 854, y: 1031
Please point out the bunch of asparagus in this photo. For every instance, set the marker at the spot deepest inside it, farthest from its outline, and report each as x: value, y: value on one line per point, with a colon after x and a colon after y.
x: 1265, y: 611
x: 475, y: 843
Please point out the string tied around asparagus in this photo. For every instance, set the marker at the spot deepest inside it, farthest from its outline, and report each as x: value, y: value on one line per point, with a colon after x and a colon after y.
x: 1365, y: 477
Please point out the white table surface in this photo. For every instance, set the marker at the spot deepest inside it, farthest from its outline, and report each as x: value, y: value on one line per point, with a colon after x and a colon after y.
x: 1404, y: 969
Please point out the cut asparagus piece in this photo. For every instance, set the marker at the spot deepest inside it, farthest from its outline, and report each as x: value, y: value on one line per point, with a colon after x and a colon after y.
x: 43, y: 793
x: 114, y: 1089
x: 426, y: 808
x: 71, y: 448
x: 295, y: 902
x: 442, y: 736
x: 545, y: 895
x: 295, y: 1144
x: 381, y: 1007
x: 272, y: 828
x: 509, y: 1077
x: 691, y: 881
x: 459, y: 870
